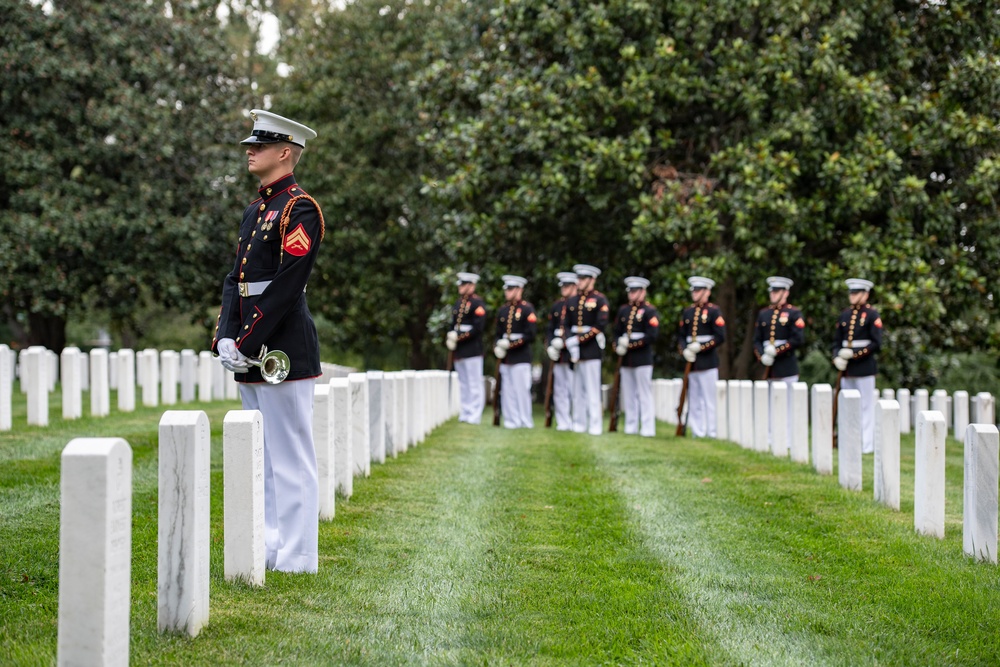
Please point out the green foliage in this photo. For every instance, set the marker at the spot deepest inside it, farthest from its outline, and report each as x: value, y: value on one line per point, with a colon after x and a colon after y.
x: 816, y: 140
x: 118, y: 168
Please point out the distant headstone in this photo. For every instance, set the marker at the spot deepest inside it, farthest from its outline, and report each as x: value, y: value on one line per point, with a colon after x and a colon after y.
x: 205, y: 373
x: 218, y: 379
x: 799, y: 437
x: 170, y: 365
x: 6, y: 389
x: 389, y: 396
x: 72, y: 389
x: 95, y: 552
x: 888, y: 394
x: 150, y: 364
x: 747, y: 414
x: 183, y: 535
x: 733, y: 408
x: 887, y: 453
x: 243, y: 497
x: 100, y: 389
x: 849, y: 439
x: 402, y: 412
x: 928, y: 474
x: 113, y: 370
x: 323, y: 420
x: 822, y: 428
x: 779, y: 418
x: 126, y: 380
x: 984, y: 413
x: 722, y: 409
x: 189, y: 375
x: 960, y: 410
x: 35, y: 367
x: 343, y: 431
x: 905, y: 418
x: 360, y: 440
x: 982, y: 475
x: 921, y: 401
x: 761, y: 399
x: 939, y: 403
x: 376, y: 415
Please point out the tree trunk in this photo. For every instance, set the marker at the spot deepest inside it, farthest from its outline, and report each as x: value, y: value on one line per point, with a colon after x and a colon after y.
x: 47, y: 330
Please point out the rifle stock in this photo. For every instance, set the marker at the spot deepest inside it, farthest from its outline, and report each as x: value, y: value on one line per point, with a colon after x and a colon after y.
x: 613, y: 397
x: 836, y: 394
x: 496, y: 395
x: 548, y: 395
x: 681, y: 425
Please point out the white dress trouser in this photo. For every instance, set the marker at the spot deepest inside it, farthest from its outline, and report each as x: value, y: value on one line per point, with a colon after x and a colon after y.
x: 701, y: 404
x: 515, y: 395
x: 472, y: 393
x: 865, y: 385
x: 587, y: 405
x: 790, y: 380
x: 291, y: 485
x: 562, y: 392
x: 637, y: 400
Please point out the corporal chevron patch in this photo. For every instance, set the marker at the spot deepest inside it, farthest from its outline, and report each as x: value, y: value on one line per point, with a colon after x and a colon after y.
x: 297, y: 242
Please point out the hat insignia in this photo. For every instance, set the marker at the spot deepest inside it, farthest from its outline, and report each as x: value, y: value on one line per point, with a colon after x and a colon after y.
x: 253, y: 116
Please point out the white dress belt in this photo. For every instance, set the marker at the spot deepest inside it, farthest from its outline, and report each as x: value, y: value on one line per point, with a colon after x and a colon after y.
x: 856, y: 344
x: 636, y: 335
x: 778, y: 342
x: 702, y: 339
x: 255, y: 289
x: 465, y: 328
x: 513, y: 336
x: 580, y: 330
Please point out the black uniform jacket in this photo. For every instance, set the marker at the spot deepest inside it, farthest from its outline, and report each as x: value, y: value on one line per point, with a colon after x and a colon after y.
x: 589, y: 309
x: 518, y: 322
x: 706, y: 325
x: 642, y: 323
x: 861, y: 330
x: 468, y: 318
x: 559, y: 327
x: 785, y: 328
x: 278, y: 242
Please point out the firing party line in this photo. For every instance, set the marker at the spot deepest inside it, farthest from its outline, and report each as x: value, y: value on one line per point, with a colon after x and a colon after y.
x: 575, y: 343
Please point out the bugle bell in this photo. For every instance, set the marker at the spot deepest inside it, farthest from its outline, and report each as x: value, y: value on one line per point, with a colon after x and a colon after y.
x: 274, y: 365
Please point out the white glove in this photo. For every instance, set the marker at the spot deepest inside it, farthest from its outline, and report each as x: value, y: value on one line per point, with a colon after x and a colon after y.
x: 689, y: 355
x: 227, y: 349
x: 767, y: 359
x: 770, y: 350
x: 450, y: 344
x: 504, y: 343
x: 558, y: 343
x: 621, y: 350
x: 694, y: 346
x: 235, y: 366
x: 845, y: 353
x: 601, y: 340
x: 499, y: 352
x: 840, y: 363
x: 623, y: 340
x: 453, y: 335
x: 552, y: 352
x: 558, y: 333
x: 573, y: 346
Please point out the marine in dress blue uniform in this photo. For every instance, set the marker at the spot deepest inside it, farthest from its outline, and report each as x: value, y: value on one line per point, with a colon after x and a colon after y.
x: 700, y: 332
x: 588, y: 315
x: 517, y: 324
x: 637, y: 325
x: 562, y: 368
x: 465, y: 341
x: 779, y: 332
x: 857, y: 341
x: 264, y: 306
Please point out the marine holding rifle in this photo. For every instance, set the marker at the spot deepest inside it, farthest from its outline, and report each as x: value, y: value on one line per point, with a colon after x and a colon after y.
x: 699, y: 333
x: 636, y: 326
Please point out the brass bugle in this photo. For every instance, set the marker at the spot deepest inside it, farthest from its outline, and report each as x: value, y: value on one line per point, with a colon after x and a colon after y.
x: 274, y: 365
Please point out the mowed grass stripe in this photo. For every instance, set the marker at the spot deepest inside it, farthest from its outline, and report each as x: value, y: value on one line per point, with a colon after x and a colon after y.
x: 789, y: 568
x: 572, y: 582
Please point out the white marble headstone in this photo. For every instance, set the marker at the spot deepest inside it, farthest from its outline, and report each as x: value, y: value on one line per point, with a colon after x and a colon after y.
x: 849, y: 439
x: 126, y: 380
x: 6, y: 389
x: 722, y: 409
x: 979, y: 511
x: 360, y: 439
x: 928, y: 474
x: 821, y: 413
x: 205, y: 376
x: 170, y: 364
x: 960, y: 410
x: 183, y: 535
x: 905, y: 418
x: 761, y: 410
x: 323, y: 420
x: 95, y: 552
x: 376, y: 415
x: 72, y: 385
x: 188, y: 375
x: 733, y: 408
x: 36, y: 369
x: 389, y: 405
x: 343, y: 455
x: 799, y: 437
x: 779, y: 418
x: 150, y: 363
x: 100, y: 390
x: 887, y: 453
x: 243, y: 496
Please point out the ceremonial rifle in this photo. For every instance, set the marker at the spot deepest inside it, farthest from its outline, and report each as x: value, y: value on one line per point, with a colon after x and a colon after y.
x: 836, y: 393
x: 613, y: 397
x: 681, y: 425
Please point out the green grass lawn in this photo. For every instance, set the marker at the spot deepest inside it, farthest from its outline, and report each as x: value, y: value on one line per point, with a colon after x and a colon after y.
x: 486, y: 546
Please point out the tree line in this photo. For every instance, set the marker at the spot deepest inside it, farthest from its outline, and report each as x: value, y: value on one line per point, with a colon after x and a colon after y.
x: 817, y: 139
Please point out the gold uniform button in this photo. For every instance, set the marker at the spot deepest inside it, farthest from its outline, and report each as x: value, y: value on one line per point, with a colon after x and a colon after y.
x: 258, y: 219
x: 263, y: 206
x: 244, y: 260
x: 253, y: 233
x: 265, y: 237
x: 249, y: 245
x: 269, y: 191
x: 237, y: 339
x: 246, y: 326
x: 255, y: 315
x: 241, y: 275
